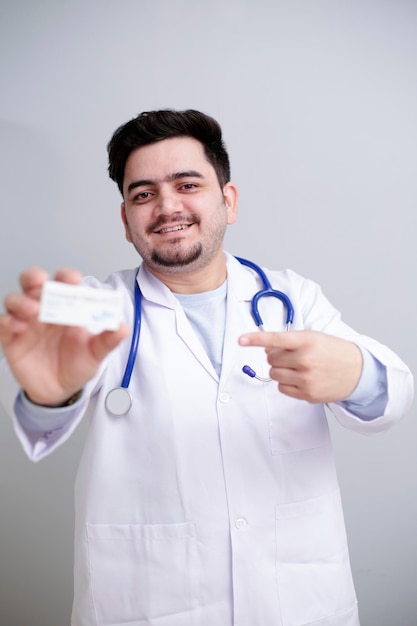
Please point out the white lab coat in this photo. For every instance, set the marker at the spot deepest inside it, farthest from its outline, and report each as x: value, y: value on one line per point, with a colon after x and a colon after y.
x: 213, y: 502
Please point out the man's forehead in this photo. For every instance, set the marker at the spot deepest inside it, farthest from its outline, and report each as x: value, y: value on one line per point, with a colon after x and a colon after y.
x: 164, y: 160
x: 174, y: 149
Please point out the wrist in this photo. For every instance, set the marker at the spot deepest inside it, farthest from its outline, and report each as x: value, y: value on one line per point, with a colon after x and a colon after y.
x: 68, y: 402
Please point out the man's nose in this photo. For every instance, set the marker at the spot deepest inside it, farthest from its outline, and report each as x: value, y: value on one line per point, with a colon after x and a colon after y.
x: 168, y: 202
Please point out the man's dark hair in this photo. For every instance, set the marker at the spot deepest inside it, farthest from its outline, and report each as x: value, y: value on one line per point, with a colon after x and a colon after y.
x: 152, y: 126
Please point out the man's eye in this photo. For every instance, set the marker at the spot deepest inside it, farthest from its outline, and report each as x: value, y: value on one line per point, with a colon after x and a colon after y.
x: 143, y: 195
x: 189, y: 186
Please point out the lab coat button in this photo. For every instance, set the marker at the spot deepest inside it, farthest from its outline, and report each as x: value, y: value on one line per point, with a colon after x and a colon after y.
x: 224, y: 397
x: 241, y: 523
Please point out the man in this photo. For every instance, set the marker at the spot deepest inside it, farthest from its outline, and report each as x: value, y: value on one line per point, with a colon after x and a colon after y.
x: 214, y: 501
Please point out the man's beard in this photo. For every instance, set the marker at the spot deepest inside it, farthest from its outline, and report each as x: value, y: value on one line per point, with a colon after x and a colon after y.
x: 174, y: 256
x: 177, y: 259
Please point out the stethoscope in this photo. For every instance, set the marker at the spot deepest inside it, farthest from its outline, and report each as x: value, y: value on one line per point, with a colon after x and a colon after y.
x: 119, y: 401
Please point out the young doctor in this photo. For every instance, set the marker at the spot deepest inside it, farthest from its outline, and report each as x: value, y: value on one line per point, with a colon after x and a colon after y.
x: 210, y: 498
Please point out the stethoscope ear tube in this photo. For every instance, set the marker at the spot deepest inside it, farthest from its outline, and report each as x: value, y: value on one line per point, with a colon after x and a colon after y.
x: 246, y: 369
x: 266, y: 291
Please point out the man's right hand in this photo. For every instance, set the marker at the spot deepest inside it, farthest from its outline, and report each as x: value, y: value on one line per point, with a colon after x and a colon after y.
x: 50, y: 362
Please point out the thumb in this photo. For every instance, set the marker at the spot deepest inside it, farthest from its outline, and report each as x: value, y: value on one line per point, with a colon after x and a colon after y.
x: 107, y: 341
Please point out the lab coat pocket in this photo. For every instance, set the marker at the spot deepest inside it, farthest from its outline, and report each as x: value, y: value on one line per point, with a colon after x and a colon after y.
x: 140, y: 573
x: 294, y: 425
x: 313, y: 570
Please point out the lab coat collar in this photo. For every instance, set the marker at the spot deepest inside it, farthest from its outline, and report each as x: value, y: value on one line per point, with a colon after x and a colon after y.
x: 242, y: 284
x: 155, y: 290
x: 241, y: 280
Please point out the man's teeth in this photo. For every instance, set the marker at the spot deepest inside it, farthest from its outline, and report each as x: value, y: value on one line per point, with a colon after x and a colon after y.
x: 173, y: 228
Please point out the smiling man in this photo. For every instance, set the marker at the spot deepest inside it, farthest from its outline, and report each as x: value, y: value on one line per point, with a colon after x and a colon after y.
x: 213, y: 500
x: 176, y: 212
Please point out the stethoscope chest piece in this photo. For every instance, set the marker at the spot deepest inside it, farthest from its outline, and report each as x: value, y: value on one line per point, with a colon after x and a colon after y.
x: 118, y: 401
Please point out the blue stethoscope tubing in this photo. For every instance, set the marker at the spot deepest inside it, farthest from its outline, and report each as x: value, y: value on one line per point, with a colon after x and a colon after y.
x: 267, y: 291
x: 119, y: 401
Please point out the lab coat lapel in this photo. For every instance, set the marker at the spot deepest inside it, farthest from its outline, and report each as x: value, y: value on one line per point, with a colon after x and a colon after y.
x: 240, y: 288
x: 155, y: 291
x: 187, y: 334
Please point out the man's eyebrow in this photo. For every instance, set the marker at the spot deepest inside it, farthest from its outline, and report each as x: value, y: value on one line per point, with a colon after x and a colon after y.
x: 139, y: 183
x: 175, y: 176
x: 186, y: 174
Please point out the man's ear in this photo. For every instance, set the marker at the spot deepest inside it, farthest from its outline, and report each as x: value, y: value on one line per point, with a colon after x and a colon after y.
x: 230, y: 195
x: 124, y: 220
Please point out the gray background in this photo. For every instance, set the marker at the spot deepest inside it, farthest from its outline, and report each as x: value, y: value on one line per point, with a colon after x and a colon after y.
x: 318, y: 103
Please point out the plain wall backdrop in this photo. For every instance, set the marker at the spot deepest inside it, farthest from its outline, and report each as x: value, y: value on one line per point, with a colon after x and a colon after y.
x: 318, y: 102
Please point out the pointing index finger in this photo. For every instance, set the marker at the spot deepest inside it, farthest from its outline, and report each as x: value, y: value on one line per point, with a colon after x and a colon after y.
x: 269, y: 339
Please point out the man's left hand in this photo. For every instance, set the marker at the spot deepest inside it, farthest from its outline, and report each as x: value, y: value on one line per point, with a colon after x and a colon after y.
x: 310, y: 365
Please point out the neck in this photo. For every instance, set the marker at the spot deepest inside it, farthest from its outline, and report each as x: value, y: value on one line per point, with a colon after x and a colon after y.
x: 193, y: 280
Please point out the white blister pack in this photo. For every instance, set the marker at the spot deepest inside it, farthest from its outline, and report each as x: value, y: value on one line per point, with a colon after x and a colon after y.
x: 78, y: 305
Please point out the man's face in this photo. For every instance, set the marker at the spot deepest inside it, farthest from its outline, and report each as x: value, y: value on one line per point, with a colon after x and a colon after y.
x: 174, y: 211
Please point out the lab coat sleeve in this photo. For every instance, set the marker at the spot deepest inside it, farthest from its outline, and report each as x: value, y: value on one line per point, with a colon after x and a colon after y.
x: 319, y: 314
x: 38, y: 444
